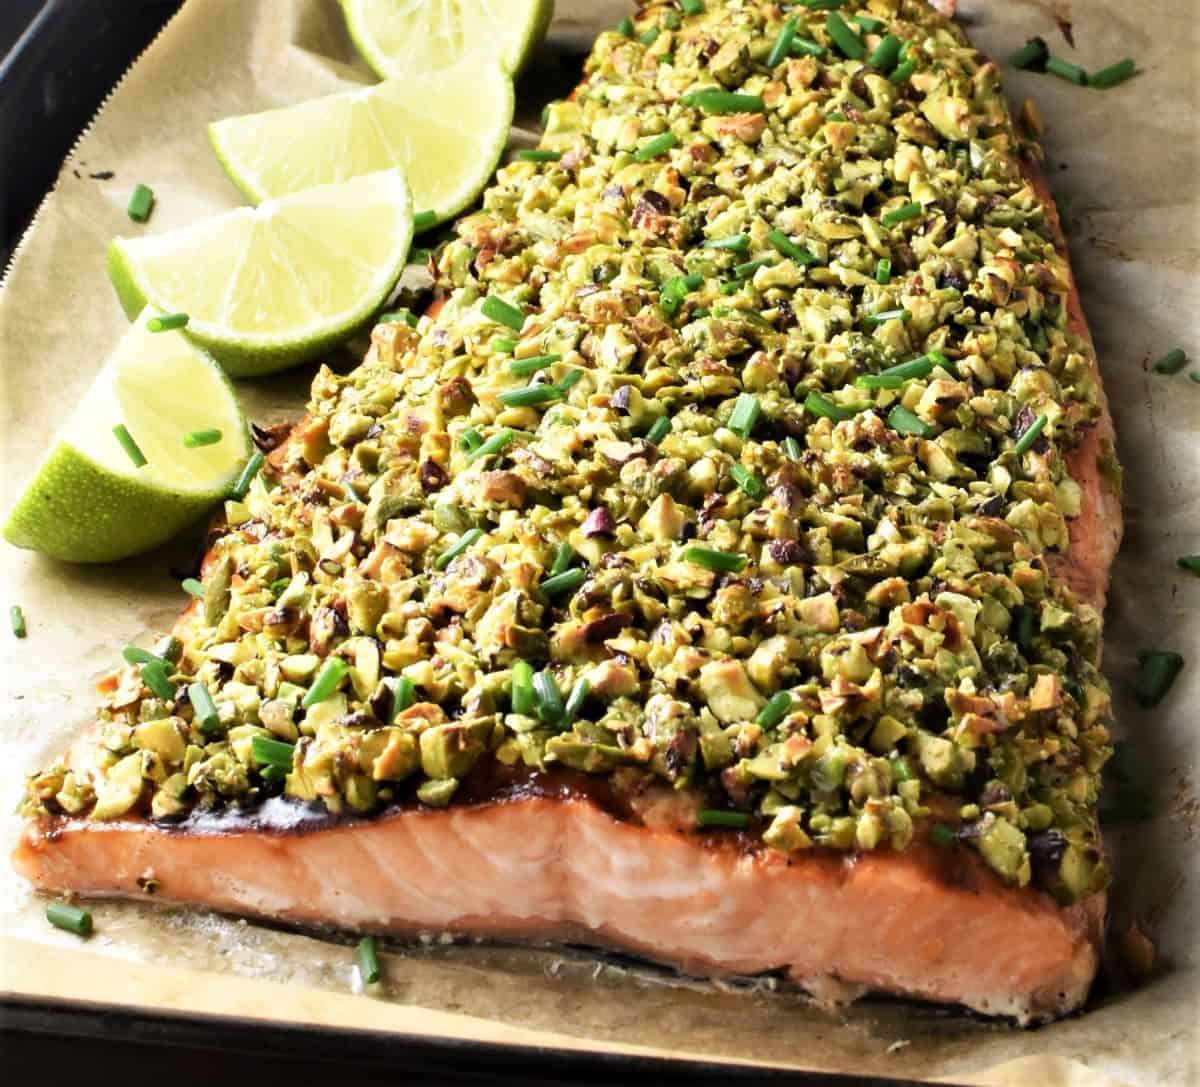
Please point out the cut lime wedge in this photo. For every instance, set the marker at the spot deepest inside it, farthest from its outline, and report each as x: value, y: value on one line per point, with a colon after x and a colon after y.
x: 268, y: 287
x: 88, y: 501
x: 445, y: 129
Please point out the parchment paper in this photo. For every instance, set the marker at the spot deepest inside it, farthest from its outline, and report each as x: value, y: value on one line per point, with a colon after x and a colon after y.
x: 1125, y: 163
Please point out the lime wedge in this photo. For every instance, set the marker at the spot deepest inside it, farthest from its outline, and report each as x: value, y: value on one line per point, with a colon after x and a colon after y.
x: 407, y: 37
x: 88, y: 501
x: 446, y: 130
x: 275, y: 285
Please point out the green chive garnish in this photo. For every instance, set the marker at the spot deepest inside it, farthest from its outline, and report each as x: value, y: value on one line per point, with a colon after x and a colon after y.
x: 1172, y: 362
x: 194, y: 439
x: 548, y: 702
x: 403, y: 315
x: 736, y: 243
x: 132, y: 450
x: 423, y: 220
x: 470, y: 440
x: 675, y: 290
x: 537, y: 154
x: 522, y: 688
x: 774, y: 711
x: 167, y: 322
x: 530, y: 395
x: 569, y: 381
x: 193, y: 587
x: 467, y: 539
x: 625, y: 26
x: 746, y: 270
x: 419, y: 255
x: 1064, y: 69
x: 901, y: 214
x: 822, y: 5
x: 885, y: 54
x: 575, y: 700
x: 711, y: 559
x: 1190, y: 563
x: 497, y: 443
x: 1158, y: 669
x: 531, y: 365
x: 496, y: 309
x: 332, y: 672
x: 17, y: 617
x: 671, y: 19
x: 905, y: 422
x: 649, y: 37
x: 780, y: 242
x: 566, y: 582
x: 733, y: 820
x: 819, y: 405
x: 805, y: 47
x: 746, y: 411
x: 783, y: 43
x: 253, y: 467
x: 843, y: 37
x: 270, y: 752
x: 503, y: 345
x: 562, y: 559
x: 692, y: 7
x: 1022, y: 627
x: 659, y: 429
x: 748, y: 481
x: 883, y: 272
x: 1032, y: 54
x: 1194, y: 376
x: 141, y: 201
x: 942, y: 835
x: 791, y: 446
x: 1026, y: 440
x: 895, y: 376
x: 717, y: 101
x: 368, y: 960
x: 70, y: 918
x: 901, y: 771
x: 154, y: 675
x: 404, y: 693
x: 903, y: 72
x: 654, y: 147
x: 1113, y: 74
x: 869, y: 23
x: 135, y: 655
x: 203, y: 707
x: 874, y: 320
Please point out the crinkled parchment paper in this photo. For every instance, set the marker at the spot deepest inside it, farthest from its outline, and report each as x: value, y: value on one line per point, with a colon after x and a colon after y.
x: 1125, y: 165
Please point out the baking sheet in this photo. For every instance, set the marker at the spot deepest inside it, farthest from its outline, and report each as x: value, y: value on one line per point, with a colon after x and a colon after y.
x: 1124, y: 163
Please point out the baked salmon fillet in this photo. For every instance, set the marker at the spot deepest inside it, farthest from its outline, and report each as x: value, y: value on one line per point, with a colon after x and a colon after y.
x: 713, y: 571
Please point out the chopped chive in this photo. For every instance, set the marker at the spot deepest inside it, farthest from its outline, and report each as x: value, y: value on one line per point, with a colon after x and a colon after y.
x: 1190, y: 563
x: 141, y: 202
x: 748, y: 481
x: 548, y: 702
x: 895, y: 376
x: 329, y: 678
x: 1032, y: 54
x: 874, y: 320
x: 575, y: 700
x: 671, y: 19
x: 470, y: 440
x: 885, y: 54
x: 132, y: 449
x: 901, y: 771
x: 819, y: 405
x: 649, y: 37
x: 505, y: 313
x: 194, y: 439
x: 745, y: 414
x: 497, y: 443
x: 783, y: 43
x: 1026, y: 440
x: 154, y: 675
x: 780, y: 242
x: 562, y: 559
x: 503, y: 345
x: 700, y: 312
x: 901, y: 214
x: 1172, y: 362
x: 1022, y: 627
x: 774, y: 711
x: 538, y: 154
x: 278, y: 586
x: 268, y: 751
x: 136, y: 655
x: 419, y: 255
x: 193, y: 587
x: 711, y: 559
x: 692, y: 7
x: 274, y: 775
x: 531, y: 365
x: 1064, y: 69
x: 1158, y: 670
x: 167, y: 322
x: 69, y: 918
x: 791, y: 446
x: 843, y: 37
x: 397, y: 316
x: 566, y: 582
x: 204, y: 708
x: 675, y: 290
x: 1113, y: 74
x: 404, y: 694
x: 522, y: 688
x: 625, y: 26
x: 823, y: 5
x: 253, y: 466
x: 902, y: 72
x: 805, y: 47
x: 368, y: 960
x: 423, y: 220
x: 717, y: 101
x: 652, y: 148
x: 733, y: 820
x: 467, y: 539
x: 17, y: 617
x: 869, y: 23
x: 736, y: 243
x: 942, y: 835
x: 883, y: 272
x: 746, y: 270
x: 570, y: 380
x: 1194, y: 376
x: 659, y: 429
x: 835, y: 116
x: 733, y: 286
x: 905, y: 422
x: 530, y: 395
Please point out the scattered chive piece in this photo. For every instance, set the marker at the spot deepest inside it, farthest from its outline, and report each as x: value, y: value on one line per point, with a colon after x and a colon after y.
x: 538, y: 154
x: 652, y: 148
x: 819, y: 405
x: 625, y: 26
x: 204, y: 708
x: 883, y: 272
x: 791, y: 446
x: 874, y: 320
x: 271, y: 752
x: 141, y: 201
x: 659, y: 429
x: 193, y: 587
x: 1194, y: 376
x: 530, y: 395
x: 703, y: 311
x: 783, y: 43
x: 273, y: 774
x: 734, y: 820
x: 746, y: 410
x: 423, y: 220
x: 895, y: 376
x: 675, y: 290
x: 805, y: 47
x: 470, y: 440
x: 194, y: 439
x: 566, y: 582
x: 902, y: 420
x: 1172, y: 362
x: 570, y: 380
x: 548, y: 701
x: 69, y: 918
x: 154, y: 675
x: 748, y: 481
x: 497, y: 443
x: 901, y: 771
x: 1190, y: 563
x: 1157, y: 671
x: 733, y: 286
x: 17, y: 618
x: 522, y: 688
x: 419, y: 255
x: 774, y: 711
x: 1064, y: 69
x: 562, y: 559
x: 1026, y: 440
x: 902, y: 72
x: 1022, y: 627
x: 869, y: 23
x: 167, y: 322
x: 1032, y: 54
x: 780, y: 242
x: 1113, y: 74
x: 396, y: 316
x: 531, y: 365
x: 132, y: 450
x: 404, y: 693
x: 692, y: 7
x: 277, y: 586
x: 332, y: 672
x: 746, y: 270
x: 717, y: 101
x: 711, y: 559
x: 253, y: 466
x: 368, y: 960
x: 843, y: 37
x: 649, y: 37
x: 496, y: 309
x: 901, y: 214
x: 135, y: 655
x: 942, y: 835
x: 575, y: 700
x: 835, y: 116
x: 471, y: 536
x: 885, y: 54
x: 822, y: 5
x: 671, y: 19
x: 736, y: 243
x: 503, y: 345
